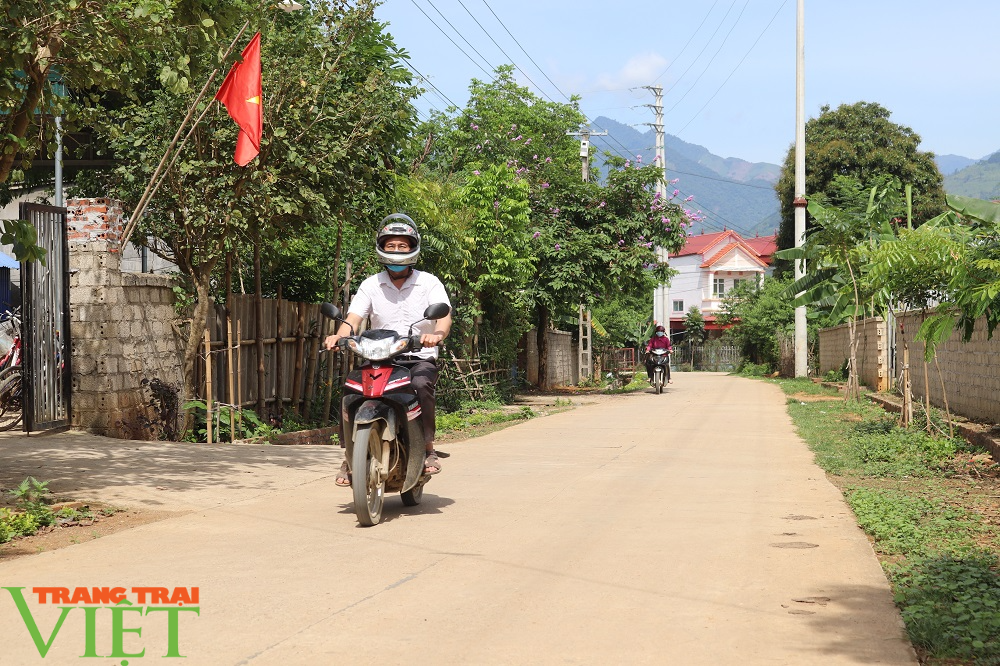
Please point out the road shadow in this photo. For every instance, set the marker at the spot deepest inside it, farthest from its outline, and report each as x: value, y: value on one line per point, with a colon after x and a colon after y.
x: 862, y: 610
x: 74, y: 460
x: 394, y: 509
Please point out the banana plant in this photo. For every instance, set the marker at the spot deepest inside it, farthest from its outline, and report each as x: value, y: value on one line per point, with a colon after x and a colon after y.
x: 838, y: 252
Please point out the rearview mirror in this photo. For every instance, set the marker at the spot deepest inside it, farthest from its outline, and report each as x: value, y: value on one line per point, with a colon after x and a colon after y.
x: 330, y: 310
x: 437, y: 311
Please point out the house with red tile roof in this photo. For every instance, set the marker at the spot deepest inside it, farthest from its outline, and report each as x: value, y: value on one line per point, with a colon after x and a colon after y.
x: 709, y: 266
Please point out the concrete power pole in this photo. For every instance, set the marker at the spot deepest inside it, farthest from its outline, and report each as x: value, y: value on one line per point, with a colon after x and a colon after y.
x: 585, y: 135
x: 801, y: 339
x: 586, y: 357
x: 661, y: 296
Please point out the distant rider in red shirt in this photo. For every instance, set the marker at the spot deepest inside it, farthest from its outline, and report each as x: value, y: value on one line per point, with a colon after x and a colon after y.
x: 658, y: 341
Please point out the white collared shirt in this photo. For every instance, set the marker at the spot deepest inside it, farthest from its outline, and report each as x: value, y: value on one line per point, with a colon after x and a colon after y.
x: 396, y: 308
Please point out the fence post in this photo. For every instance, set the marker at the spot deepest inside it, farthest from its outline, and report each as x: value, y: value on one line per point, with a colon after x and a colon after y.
x: 208, y: 385
x: 232, y: 379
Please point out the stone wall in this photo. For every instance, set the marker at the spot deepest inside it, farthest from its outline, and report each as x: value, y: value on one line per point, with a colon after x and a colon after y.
x: 563, y: 368
x: 968, y: 369
x: 124, y: 326
x: 872, y: 354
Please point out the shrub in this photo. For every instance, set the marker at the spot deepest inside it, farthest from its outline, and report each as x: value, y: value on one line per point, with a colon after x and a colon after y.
x: 884, y: 450
x: 748, y: 369
x: 951, y: 606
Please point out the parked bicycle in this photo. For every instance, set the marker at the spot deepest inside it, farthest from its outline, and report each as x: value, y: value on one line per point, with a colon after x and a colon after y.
x: 11, y: 378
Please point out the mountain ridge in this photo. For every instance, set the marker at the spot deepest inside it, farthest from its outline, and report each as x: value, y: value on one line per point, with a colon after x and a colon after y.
x: 732, y: 192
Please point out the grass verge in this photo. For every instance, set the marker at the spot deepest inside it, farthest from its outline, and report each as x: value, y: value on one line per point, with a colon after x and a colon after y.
x: 475, y: 415
x: 931, y: 506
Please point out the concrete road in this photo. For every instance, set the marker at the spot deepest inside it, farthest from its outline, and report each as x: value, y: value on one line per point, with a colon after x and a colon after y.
x: 687, y: 528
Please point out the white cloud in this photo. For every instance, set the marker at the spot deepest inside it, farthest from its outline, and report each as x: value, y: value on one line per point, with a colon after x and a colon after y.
x: 640, y: 70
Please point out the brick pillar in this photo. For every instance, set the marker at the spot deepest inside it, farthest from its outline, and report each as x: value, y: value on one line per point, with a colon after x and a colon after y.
x: 95, y: 221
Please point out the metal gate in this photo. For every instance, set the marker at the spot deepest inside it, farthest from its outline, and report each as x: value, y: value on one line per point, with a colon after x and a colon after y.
x: 46, y: 320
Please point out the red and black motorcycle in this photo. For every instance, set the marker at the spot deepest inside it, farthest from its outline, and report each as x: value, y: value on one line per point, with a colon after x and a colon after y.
x: 380, y: 417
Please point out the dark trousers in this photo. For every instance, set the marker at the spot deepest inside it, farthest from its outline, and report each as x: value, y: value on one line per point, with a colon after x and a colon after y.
x: 649, y: 369
x: 423, y: 379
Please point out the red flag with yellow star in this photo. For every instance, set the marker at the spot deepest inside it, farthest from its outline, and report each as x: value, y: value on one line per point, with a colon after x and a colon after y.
x: 241, y: 93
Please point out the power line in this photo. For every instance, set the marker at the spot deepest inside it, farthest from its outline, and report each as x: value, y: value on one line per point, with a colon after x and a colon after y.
x: 410, y: 66
x: 722, y: 180
x: 695, y: 32
x: 450, y: 39
x: 717, y: 28
x: 714, y: 56
x: 459, y: 33
x: 523, y: 51
x: 759, y: 37
x: 506, y: 55
x: 528, y: 55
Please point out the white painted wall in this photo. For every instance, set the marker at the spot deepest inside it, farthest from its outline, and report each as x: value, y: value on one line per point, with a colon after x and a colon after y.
x: 694, y: 285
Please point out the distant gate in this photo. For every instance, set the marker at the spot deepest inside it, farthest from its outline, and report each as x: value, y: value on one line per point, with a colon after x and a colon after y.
x: 46, y: 322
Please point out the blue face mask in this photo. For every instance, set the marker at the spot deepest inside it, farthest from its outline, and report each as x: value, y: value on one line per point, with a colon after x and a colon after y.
x: 397, y: 269
x: 660, y: 334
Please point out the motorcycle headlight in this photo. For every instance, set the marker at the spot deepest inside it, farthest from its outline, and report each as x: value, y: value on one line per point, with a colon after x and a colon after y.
x: 377, y: 350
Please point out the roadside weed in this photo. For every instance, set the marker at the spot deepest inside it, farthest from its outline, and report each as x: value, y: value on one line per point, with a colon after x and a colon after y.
x: 929, y: 504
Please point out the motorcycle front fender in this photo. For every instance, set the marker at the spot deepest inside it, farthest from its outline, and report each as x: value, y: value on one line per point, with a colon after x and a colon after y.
x: 391, y: 410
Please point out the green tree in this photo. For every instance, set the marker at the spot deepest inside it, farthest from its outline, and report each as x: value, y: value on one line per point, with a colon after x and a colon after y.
x: 754, y: 314
x: 694, y: 326
x: 951, y: 264
x: 89, y: 47
x: 850, y: 150
x: 598, y: 242
x: 334, y: 112
x: 587, y: 243
x: 839, y: 250
x: 503, y: 124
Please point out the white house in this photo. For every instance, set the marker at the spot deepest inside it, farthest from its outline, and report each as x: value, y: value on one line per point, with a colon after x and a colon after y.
x: 709, y: 266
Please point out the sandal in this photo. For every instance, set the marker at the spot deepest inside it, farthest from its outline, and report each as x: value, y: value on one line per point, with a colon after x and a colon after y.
x: 344, y: 476
x: 432, y: 465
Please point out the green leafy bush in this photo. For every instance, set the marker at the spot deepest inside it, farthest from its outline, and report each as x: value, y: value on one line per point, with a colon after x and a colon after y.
x: 951, y: 606
x: 748, y: 369
x: 898, y: 453
x: 16, y: 524
x: 452, y: 421
x: 31, y: 496
x: 891, y: 517
x: 252, y: 425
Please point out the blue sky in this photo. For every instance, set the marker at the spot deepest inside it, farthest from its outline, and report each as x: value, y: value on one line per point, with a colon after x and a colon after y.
x: 934, y: 65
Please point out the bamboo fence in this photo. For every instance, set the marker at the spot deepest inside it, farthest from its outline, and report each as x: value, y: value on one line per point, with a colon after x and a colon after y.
x: 274, y: 364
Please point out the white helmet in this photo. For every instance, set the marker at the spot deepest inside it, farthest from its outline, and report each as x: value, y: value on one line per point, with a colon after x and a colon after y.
x: 398, y: 224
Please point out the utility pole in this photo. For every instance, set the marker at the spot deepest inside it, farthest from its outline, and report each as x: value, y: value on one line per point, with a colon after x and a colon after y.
x: 801, y: 341
x: 661, y: 295
x: 661, y: 157
x: 585, y: 135
x: 585, y: 359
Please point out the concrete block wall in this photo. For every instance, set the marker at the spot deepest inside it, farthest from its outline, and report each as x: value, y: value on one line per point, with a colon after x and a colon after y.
x: 872, y: 354
x: 124, y: 326
x: 970, y: 370
x: 563, y: 367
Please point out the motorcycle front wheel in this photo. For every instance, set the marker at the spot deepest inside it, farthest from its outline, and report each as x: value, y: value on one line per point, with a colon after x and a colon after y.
x: 413, y: 496
x: 368, y: 486
x: 658, y: 380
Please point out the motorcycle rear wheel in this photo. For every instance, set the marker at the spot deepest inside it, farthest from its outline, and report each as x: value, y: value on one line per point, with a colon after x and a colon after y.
x: 11, y: 398
x: 368, y: 487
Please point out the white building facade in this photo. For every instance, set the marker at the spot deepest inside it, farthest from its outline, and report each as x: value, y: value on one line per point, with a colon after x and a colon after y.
x: 708, y: 267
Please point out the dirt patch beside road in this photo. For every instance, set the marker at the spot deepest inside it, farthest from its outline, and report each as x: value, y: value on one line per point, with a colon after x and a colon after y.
x: 56, y: 537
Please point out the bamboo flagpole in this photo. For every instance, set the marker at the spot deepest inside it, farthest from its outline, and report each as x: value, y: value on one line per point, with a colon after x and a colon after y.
x: 159, y: 173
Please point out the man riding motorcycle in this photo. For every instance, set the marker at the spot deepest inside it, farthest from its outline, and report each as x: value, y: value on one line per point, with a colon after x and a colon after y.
x: 658, y: 341
x: 394, y: 299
